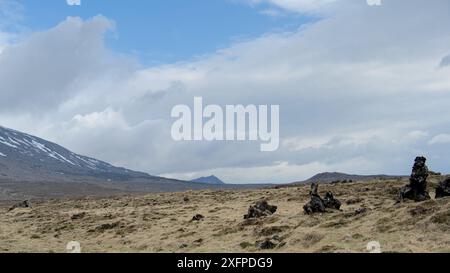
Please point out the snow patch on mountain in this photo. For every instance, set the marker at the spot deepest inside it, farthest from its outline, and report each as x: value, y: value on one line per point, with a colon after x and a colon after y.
x: 21, y: 147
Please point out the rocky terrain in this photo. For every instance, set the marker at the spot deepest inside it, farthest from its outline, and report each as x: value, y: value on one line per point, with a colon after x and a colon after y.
x: 44, y: 206
x: 213, y: 221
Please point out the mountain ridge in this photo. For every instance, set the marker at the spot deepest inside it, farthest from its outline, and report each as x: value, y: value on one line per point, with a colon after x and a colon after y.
x: 25, y: 151
x: 328, y: 177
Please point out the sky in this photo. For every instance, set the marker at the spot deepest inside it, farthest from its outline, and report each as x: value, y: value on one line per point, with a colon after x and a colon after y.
x: 362, y: 88
x: 158, y: 32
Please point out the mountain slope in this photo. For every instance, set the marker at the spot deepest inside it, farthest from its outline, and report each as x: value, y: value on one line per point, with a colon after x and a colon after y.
x: 25, y: 157
x: 213, y: 180
x: 31, y: 167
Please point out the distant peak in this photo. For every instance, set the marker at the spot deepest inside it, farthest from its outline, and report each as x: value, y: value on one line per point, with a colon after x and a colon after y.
x: 212, y: 179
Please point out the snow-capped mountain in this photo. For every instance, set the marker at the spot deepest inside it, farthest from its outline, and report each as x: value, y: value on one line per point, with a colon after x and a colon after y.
x: 25, y: 157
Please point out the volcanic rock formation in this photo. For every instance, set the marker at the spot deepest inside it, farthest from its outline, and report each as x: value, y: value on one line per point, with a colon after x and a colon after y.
x: 260, y: 209
x: 417, y: 188
x: 319, y: 205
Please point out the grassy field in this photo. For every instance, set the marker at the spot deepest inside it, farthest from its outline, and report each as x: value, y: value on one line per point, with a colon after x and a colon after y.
x: 162, y: 222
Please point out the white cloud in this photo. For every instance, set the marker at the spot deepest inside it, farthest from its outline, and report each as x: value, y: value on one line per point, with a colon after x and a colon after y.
x: 71, y: 54
x: 374, y: 2
x: 298, y: 5
x: 74, y: 2
x: 392, y: 135
x: 417, y: 134
x: 272, y: 12
x: 440, y: 139
x: 98, y: 120
x: 359, y: 92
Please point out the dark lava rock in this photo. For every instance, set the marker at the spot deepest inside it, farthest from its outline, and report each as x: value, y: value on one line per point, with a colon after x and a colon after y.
x: 270, y: 243
x: 23, y: 204
x: 267, y: 244
x: 330, y: 202
x: 360, y: 211
x: 417, y: 188
x: 198, y: 241
x: 443, y: 189
x: 198, y: 217
x: 314, y: 206
x: 319, y: 205
x: 260, y: 209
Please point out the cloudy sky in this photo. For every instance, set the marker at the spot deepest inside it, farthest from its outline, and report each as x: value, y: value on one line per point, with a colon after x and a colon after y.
x: 362, y: 89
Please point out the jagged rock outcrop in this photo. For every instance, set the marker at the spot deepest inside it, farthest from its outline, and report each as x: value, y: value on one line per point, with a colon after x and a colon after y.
x: 319, y: 205
x: 260, y: 209
x: 443, y: 189
x: 417, y: 188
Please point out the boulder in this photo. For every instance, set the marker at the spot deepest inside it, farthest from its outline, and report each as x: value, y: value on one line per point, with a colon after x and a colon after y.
x: 417, y: 188
x: 260, y: 209
x: 443, y: 189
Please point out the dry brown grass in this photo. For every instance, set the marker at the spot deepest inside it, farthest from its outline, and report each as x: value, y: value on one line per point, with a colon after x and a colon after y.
x: 162, y: 222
